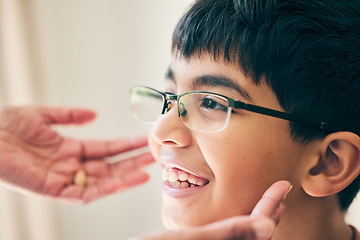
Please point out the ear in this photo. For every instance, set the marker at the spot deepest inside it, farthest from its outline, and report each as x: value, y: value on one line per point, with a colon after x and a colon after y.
x: 334, y: 166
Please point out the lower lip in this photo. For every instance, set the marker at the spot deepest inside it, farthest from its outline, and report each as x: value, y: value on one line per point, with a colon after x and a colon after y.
x: 181, y: 192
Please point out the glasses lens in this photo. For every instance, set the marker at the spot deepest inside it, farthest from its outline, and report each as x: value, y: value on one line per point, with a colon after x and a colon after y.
x: 204, y: 111
x: 146, y: 104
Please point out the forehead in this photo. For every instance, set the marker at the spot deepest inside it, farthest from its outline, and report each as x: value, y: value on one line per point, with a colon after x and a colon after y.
x: 204, y: 64
x: 220, y: 76
x: 198, y: 73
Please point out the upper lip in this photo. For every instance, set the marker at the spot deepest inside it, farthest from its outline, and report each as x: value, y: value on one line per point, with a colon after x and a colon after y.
x: 172, y: 162
x: 181, y: 168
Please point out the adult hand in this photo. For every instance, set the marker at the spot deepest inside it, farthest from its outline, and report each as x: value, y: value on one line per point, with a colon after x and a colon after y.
x: 35, y: 158
x: 259, y: 226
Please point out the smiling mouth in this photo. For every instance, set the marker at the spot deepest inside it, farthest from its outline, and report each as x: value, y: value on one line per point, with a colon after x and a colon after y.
x: 177, y: 178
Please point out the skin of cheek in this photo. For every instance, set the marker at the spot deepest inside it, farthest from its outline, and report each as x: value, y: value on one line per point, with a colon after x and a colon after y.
x: 253, y: 159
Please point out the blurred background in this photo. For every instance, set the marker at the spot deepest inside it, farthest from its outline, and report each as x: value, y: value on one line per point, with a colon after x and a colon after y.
x: 86, y: 53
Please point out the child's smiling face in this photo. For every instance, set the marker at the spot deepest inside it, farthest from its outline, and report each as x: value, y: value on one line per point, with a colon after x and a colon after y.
x: 229, y: 169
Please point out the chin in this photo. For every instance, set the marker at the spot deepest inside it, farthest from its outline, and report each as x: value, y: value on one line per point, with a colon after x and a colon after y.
x: 176, y: 222
x: 171, y: 223
x: 181, y: 220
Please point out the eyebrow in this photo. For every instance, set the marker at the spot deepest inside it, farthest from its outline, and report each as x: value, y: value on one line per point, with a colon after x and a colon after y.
x: 220, y: 81
x: 213, y: 81
x: 169, y: 75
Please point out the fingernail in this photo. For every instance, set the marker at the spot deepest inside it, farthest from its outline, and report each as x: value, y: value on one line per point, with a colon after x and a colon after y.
x: 288, y: 192
x: 263, y: 227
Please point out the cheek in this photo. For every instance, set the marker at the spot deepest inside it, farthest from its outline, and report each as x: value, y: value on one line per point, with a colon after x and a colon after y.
x: 244, y: 167
x: 262, y: 149
x: 236, y: 155
x: 240, y: 174
x: 250, y: 159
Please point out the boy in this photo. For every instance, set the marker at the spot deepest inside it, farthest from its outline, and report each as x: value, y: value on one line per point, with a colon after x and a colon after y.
x: 259, y: 91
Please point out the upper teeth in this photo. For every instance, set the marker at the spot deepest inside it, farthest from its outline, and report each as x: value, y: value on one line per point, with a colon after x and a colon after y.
x: 179, y: 178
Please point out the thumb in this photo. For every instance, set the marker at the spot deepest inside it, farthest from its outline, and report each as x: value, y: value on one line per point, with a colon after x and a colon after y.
x: 241, y: 228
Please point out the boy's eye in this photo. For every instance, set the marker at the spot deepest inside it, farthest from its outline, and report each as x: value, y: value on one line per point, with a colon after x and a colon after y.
x: 214, y: 104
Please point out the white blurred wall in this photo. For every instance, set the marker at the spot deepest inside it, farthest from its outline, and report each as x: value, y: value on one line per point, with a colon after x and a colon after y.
x: 86, y: 53
x: 101, y: 48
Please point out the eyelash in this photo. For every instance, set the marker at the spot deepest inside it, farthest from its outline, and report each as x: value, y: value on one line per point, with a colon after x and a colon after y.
x: 211, y: 102
x: 169, y: 91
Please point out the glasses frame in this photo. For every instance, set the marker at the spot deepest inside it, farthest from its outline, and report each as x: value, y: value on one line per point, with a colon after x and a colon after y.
x: 236, y: 104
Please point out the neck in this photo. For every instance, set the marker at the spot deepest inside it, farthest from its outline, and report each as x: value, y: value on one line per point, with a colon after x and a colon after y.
x: 312, y: 219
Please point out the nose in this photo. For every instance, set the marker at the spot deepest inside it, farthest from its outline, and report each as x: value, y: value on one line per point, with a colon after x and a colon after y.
x: 170, y: 131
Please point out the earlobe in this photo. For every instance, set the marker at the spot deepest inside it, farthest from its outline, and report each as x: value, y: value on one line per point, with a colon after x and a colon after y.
x: 336, y: 165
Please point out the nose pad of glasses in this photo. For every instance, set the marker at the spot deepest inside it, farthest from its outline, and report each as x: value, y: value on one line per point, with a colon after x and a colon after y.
x: 182, y: 111
x: 168, y: 106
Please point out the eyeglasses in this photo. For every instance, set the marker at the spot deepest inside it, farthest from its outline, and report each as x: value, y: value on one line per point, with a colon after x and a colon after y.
x: 201, y: 111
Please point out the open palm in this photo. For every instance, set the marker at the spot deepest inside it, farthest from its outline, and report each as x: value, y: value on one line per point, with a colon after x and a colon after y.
x: 36, y: 158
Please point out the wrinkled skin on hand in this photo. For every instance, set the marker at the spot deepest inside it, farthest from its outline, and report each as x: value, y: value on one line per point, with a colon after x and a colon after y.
x: 35, y: 158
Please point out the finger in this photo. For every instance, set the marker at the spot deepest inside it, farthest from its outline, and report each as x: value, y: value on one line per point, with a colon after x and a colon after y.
x: 91, y: 193
x: 99, y: 167
x: 278, y: 212
x: 271, y: 199
x: 112, y: 185
x: 98, y: 148
x: 133, y: 163
x: 73, y: 193
x: 66, y: 115
x: 135, y: 178
x: 107, y: 186
x: 241, y: 228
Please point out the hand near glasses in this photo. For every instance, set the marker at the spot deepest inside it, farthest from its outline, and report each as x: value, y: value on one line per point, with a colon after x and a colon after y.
x: 35, y: 158
x: 260, y: 225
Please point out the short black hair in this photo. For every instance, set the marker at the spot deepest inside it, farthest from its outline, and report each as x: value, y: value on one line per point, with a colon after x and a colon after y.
x: 308, y: 52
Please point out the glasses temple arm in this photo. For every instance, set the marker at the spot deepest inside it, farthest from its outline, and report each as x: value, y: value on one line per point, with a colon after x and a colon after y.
x: 283, y: 115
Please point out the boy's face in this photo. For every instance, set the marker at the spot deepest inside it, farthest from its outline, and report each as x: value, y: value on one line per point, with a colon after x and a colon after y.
x: 234, y: 166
